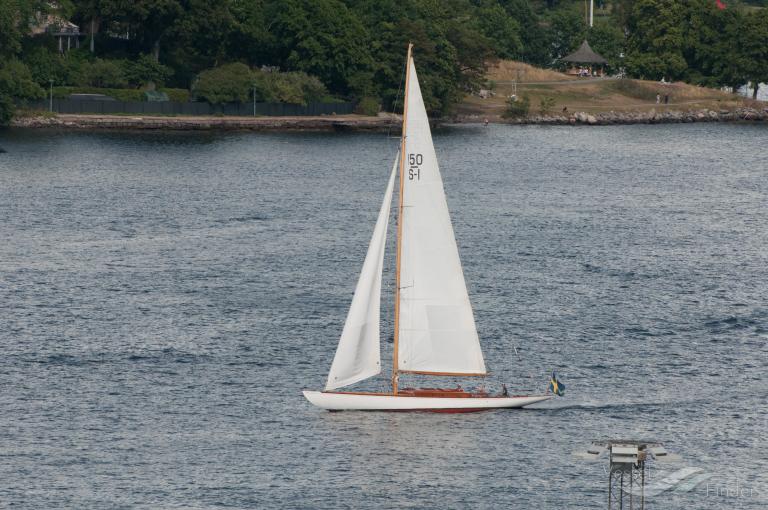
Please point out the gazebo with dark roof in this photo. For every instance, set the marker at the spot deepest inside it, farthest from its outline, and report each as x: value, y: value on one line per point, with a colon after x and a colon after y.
x: 585, y: 55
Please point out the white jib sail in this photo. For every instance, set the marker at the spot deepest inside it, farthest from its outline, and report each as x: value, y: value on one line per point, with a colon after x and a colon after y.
x: 358, y: 355
x: 437, y: 330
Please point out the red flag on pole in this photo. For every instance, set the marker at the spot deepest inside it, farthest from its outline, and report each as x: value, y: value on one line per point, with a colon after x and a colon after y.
x: 720, y: 4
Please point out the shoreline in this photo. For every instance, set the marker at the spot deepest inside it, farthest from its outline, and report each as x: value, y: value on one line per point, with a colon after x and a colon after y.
x: 379, y: 123
x: 208, y: 123
x: 631, y: 117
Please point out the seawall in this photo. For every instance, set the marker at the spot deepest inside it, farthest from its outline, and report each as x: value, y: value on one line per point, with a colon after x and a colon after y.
x: 381, y: 123
x: 651, y: 117
x: 188, y: 123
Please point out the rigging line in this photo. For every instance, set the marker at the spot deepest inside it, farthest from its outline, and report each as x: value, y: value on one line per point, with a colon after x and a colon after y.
x: 394, y: 105
x: 520, y: 359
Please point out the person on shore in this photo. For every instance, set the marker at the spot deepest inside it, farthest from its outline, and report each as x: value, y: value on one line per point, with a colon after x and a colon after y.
x: 485, y: 121
x: 666, y: 98
x: 658, y: 98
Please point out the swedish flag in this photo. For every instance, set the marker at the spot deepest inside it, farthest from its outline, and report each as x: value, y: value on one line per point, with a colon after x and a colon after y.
x: 556, y: 386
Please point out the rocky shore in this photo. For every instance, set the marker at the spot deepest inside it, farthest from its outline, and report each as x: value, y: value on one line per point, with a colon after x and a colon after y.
x: 321, y: 123
x: 381, y: 123
x: 651, y: 117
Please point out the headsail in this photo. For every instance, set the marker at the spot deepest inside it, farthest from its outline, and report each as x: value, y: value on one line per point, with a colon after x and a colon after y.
x: 437, y: 332
x: 358, y: 354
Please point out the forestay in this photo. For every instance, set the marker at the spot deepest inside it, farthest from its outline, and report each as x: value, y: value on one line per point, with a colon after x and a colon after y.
x: 358, y: 354
x: 437, y: 330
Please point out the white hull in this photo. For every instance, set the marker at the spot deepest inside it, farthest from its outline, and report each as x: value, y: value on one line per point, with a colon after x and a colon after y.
x: 383, y: 402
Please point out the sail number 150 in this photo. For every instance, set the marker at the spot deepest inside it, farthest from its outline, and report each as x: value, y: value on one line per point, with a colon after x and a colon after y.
x: 414, y: 166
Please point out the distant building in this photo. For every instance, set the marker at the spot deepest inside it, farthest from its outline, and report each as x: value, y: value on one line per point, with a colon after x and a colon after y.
x: 588, y: 61
x: 67, y: 33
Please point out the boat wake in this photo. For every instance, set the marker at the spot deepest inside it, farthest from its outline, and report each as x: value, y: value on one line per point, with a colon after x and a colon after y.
x: 614, y: 406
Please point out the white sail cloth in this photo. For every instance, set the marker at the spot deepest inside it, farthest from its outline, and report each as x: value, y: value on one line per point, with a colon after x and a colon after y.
x: 437, y: 330
x: 358, y: 354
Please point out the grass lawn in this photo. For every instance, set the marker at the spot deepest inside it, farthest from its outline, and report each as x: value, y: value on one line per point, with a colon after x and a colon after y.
x: 589, y: 95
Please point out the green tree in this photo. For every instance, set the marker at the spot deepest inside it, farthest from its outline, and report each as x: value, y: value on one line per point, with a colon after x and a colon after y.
x: 655, y: 45
x: 535, y: 48
x: 292, y: 87
x: 6, y: 109
x: 89, y: 14
x: 607, y: 40
x: 228, y: 83
x: 450, y: 49
x: 322, y: 38
x: 566, y: 31
x: 753, y: 49
x: 45, y: 64
x: 16, y: 18
x: 501, y: 29
x: 473, y: 52
x: 150, y: 21
x: 355, y: 47
x: 200, y: 38
x: 102, y: 73
x: 16, y: 81
x: 250, y: 39
x: 621, y: 12
x: 703, y: 42
x: 728, y: 65
x: 145, y: 69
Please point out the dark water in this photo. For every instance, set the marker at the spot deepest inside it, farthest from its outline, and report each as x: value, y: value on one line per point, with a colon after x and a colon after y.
x: 165, y: 297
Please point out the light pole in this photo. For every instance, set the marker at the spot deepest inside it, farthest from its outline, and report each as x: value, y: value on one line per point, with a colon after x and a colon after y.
x: 50, y: 104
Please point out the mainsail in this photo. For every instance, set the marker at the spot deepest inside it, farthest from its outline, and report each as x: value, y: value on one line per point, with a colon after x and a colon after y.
x: 436, y: 331
x: 358, y: 354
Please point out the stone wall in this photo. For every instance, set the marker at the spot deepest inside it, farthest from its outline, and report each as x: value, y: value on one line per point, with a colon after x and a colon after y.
x: 322, y: 123
x: 652, y: 117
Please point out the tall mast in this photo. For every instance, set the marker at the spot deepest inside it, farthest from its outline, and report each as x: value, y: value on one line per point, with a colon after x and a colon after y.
x: 395, y: 368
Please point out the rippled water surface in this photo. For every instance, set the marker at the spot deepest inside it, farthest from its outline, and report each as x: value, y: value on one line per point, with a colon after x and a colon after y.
x: 166, y: 297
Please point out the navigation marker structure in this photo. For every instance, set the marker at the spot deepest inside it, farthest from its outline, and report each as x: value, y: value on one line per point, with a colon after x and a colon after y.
x: 627, y: 468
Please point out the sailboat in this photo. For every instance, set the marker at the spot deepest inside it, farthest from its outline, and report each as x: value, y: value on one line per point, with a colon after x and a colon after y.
x: 434, y: 326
